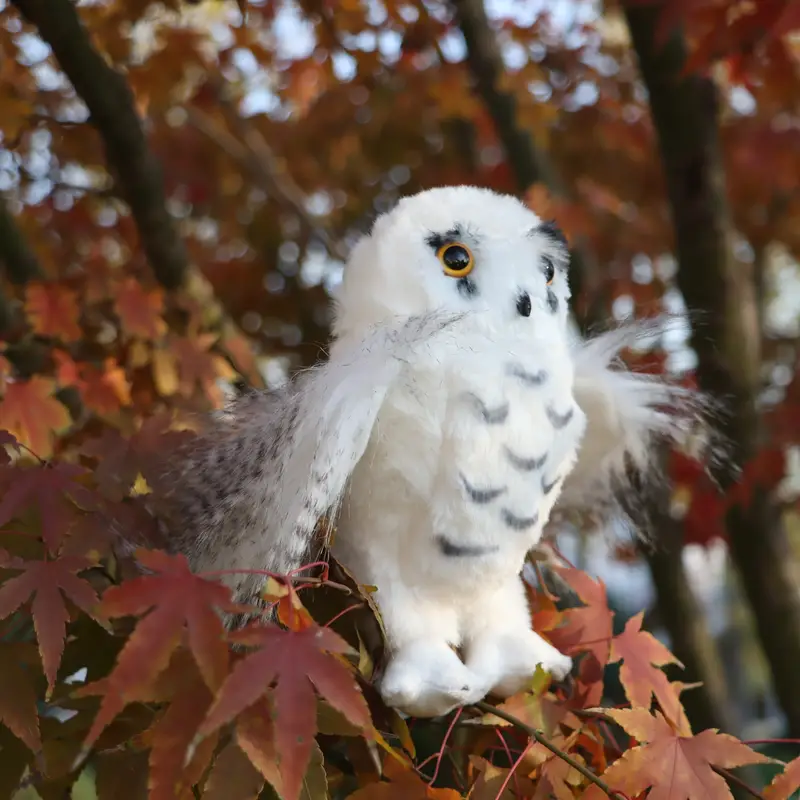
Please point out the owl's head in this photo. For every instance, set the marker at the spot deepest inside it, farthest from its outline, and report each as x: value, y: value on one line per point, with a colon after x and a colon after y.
x: 458, y: 248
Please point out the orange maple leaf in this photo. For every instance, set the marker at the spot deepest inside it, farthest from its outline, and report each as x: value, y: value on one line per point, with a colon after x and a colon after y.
x: 140, y: 311
x: 588, y: 628
x: 30, y: 412
x: 53, y: 311
x: 403, y: 785
x: 197, y: 365
x: 785, y: 783
x: 642, y: 655
x: 673, y: 766
x: 105, y: 390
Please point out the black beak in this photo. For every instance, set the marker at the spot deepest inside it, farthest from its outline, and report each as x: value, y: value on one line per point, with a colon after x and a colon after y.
x: 524, y: 304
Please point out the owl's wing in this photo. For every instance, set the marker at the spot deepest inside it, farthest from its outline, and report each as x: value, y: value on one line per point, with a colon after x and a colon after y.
x: 247, y: 492
x: 338, y: 403
x: 629, y: 415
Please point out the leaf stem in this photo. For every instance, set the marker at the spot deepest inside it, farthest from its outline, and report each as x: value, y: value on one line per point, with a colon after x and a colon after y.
x: 486, y: 708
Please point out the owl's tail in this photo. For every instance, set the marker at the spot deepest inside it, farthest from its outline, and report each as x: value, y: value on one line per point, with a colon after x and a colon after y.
x: 631, y: 418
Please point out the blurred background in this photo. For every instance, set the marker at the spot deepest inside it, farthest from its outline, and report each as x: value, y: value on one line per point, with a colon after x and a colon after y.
x: 181, y: 181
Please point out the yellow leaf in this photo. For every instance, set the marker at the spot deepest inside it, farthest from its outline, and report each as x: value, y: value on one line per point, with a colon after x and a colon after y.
x: 165, y: 373
x: 140, y: 486
x: 138, y: 354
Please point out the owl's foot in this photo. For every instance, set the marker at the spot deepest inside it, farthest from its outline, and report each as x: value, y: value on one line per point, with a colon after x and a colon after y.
x: 427, y: 679
x: 507, y: 661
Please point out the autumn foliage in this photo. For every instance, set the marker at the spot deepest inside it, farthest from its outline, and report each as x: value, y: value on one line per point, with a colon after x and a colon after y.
x: 154, y: 240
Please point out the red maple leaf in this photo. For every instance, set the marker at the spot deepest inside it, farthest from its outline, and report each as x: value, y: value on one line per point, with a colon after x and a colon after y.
x: 766, y: 470
x: 297, y: 662
x: 170, y: 777
x: 124, y: 458
x: 705, y: 520
x: 176, y: 602
x: 589, y: 628
x: 48, y: 583
x: 672, y: 765
x: 48, y: 487
x: 17, y: 696
x: 642, y: 655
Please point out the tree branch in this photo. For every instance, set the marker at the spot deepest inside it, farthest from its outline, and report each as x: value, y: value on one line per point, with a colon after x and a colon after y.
x: 19, y: 260
x: 487, y: 708
x: 251, y: 150
x: 528, y: 163
x: 112, y: 111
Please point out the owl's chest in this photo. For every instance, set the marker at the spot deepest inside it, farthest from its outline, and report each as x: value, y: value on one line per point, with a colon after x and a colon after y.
x: 485, y: 422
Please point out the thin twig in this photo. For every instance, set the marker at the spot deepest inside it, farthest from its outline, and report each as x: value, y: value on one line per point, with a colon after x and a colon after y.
x: 486, y: 708
x: 513, y: 771
x: 253, y: 152
x: 731, y: 778
x: 112, y: 107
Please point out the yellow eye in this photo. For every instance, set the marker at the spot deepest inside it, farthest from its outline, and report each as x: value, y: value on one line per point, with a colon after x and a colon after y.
x: 457, y: 259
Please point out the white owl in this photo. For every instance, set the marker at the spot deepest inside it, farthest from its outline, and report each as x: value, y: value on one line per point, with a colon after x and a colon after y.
x: 454, y: 413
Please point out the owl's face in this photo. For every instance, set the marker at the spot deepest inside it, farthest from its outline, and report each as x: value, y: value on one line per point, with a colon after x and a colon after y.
x: 458, y: 249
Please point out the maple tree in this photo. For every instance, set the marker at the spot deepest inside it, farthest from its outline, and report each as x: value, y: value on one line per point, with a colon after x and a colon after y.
x: 173, y: 175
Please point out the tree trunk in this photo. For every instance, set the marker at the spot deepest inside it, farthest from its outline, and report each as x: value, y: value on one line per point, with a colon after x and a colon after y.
x: 684, y: 111
x: 705, y: 706
x: 708, y: 706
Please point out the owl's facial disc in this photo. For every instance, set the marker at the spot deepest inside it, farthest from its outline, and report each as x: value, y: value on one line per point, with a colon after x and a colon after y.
x: 488, y: 265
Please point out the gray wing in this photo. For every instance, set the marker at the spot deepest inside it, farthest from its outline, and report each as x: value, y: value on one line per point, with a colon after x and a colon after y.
x: 248, y: 491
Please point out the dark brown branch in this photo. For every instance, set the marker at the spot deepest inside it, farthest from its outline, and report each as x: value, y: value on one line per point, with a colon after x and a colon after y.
x: 112, y: 111
x: 538, y: 736
x: 685, y: 115
x: 20, y: 262
x: 528, y: 163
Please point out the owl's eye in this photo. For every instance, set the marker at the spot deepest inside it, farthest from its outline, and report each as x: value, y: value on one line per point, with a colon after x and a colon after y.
x: 457, y: 259
x: 549, y: 271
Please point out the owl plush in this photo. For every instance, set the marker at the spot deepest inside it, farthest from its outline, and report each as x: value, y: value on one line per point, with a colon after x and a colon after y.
x: 454, y: 416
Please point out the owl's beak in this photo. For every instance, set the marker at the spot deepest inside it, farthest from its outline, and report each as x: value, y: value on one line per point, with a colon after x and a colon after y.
x: 524, y: 304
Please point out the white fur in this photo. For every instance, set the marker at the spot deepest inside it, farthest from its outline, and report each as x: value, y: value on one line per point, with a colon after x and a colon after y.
x: 381, y: 435
x: 406, y: 491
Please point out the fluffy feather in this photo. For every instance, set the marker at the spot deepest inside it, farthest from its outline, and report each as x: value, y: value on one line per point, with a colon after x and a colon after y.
x: 630, y: 415
x: 247, y: 492
x: 451, y: 417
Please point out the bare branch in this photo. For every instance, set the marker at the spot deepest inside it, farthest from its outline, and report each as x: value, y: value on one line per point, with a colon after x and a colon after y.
x: 528, y: 163
x: 20, y: 262
x: 112, y: 111
x: 249, y: 148
x: 487, y: 708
